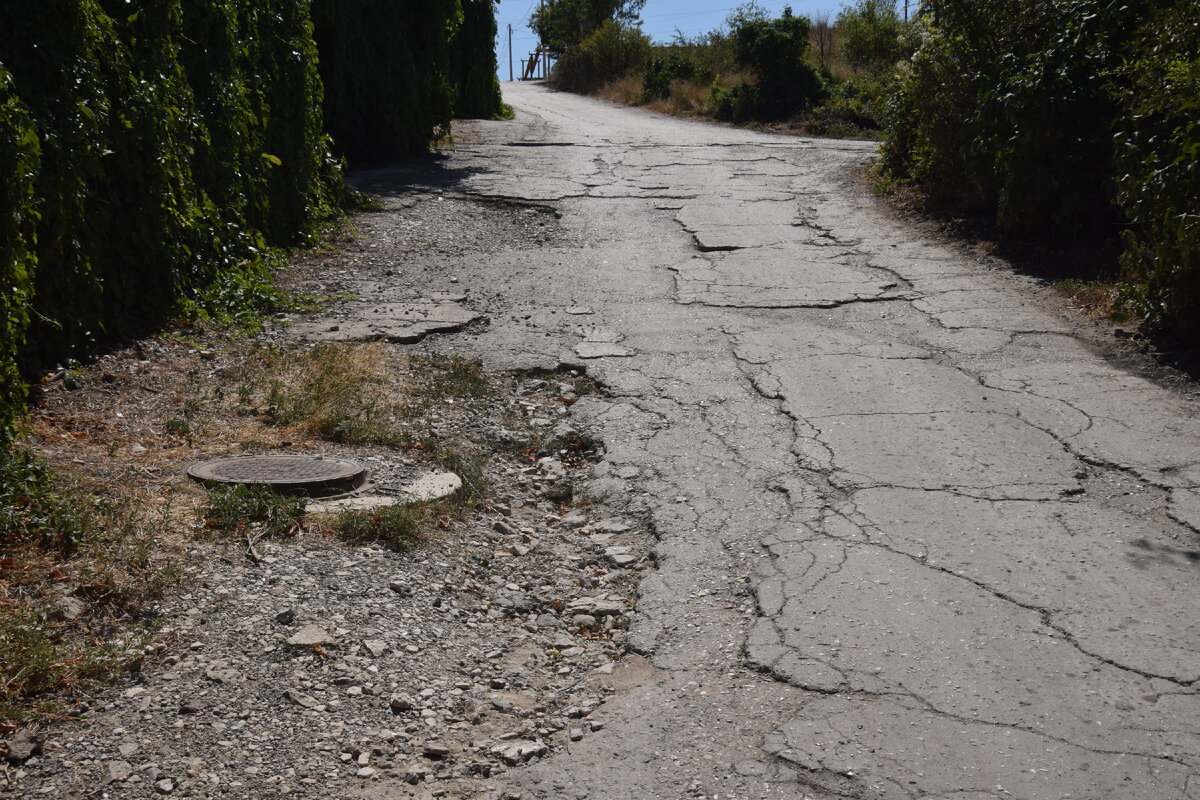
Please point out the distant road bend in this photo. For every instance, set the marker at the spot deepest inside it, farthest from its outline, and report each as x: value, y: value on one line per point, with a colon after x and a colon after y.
x: 917, y: 538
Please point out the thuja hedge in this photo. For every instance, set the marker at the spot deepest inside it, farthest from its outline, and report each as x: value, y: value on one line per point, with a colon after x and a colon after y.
x: 1065, y: 118
x: 172, y: 143
x: 154, y: 152
x: 395, y: 72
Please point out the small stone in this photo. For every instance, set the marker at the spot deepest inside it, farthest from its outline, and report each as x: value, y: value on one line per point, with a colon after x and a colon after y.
x: 574, y: 519
x: 415, y: 774
x: 309, y: 636
x: 222, y: 675
x: 399, y: 588
x: 118, y: 771
x: 137, y: 449
x: 510, y: 754
x: 165, y: 786
x: 365, y: 772
x: 286, y: 617
x: 585, y: 621
x: 559, y: 490
x: 300, y: 699
x: 436, y: 751
x: 375, y: 647
x: 401, y: 702
x: 128, y: 749
x: 504, y: 527
x: 193, y: 705
x: 71, y: 608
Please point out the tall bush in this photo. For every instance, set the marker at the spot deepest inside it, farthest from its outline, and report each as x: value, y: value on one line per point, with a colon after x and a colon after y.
x: 473, y: 62
x: 563, y: 24
x: 176, y: 142
x: 1005, y: 109
x: 20, y: 156
x: 386, y: 68
x: 608, y: 53
x: 773, y: 50
x: 1158, y: 169
x: 872, y: 34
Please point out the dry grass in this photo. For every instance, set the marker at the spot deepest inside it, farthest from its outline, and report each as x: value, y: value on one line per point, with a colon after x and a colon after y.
x: 109, y: 524
x: 625, y: 91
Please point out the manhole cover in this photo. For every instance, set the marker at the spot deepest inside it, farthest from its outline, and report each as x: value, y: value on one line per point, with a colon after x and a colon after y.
x: 313, y: 475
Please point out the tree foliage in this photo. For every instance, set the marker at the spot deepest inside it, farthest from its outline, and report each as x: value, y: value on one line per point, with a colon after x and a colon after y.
x: 562, y: 24
x: 773, y: 50
x: 1158, y: 171
x: 873, y: 35
x: 1066, y: 118
x: 473, y: 62
x: 154, y: 152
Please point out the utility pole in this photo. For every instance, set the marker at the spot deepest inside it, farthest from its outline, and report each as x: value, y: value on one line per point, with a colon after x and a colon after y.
x: 510, y: 74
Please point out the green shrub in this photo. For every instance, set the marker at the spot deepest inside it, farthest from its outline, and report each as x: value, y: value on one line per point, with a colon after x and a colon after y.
x: 1158, y: 169
x: 1006, y: 110
x: 20, y: 156
x: 236, y: 509
x: 473, y: 63
x: 608, y: 53
x: 179, y: 144
x: 386, y: 70
x: 773, y: 50
x: 873, y: 36
x: 661, y: 72
x: 561, y: 25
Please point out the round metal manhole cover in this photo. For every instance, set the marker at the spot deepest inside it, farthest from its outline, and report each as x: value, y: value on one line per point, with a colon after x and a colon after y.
x: 312, y: 475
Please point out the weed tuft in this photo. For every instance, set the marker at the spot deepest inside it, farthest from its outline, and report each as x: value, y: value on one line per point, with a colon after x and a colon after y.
x: 237, y: 508
x: 397, y: 526
x: 56, y: 542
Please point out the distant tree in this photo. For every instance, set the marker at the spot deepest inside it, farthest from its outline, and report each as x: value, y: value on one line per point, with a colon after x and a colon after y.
x: 822, y: 35
x: 772, y: 49
x: 562, y: 24
x: 873, y: 35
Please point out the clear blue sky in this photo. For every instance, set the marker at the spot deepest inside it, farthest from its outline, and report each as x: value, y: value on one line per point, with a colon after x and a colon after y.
x: 660, y: 19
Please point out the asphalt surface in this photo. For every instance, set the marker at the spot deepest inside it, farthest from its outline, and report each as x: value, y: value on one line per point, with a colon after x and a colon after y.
x: 916, y: 537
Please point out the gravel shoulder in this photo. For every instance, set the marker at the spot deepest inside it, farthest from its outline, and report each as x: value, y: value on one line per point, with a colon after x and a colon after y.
x: 324, y: 668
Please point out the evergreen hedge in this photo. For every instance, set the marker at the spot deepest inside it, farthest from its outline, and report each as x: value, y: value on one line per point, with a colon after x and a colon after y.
x: 153, y: 152
x: 395, y: 72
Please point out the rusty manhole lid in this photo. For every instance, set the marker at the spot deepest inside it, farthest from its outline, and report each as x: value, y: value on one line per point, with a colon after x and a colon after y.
x: 312, y: 475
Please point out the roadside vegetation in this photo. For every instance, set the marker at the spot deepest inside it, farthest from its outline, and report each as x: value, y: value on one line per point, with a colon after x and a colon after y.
x: 1073, y: 123
x: 90, y: 549
x: 829, y: 75
x: 1069, y: 130
x: 159, y: 183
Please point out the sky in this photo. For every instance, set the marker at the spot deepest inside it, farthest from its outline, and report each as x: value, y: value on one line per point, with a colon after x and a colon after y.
x: 660, y: 19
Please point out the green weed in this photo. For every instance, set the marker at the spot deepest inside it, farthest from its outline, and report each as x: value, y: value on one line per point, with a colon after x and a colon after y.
x: 236, y: 509
x: 398, y: 526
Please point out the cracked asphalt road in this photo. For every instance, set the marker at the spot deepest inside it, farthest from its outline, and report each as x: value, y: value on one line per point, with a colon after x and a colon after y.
x: 917, y: 538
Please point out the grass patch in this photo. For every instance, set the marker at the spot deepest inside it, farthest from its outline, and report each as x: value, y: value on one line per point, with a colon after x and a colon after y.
x: 239, y: 509
x: 1099, y: 297
x: 340, y: 393
x: 398, y: 527
x: 72, y: 566
x: 457, y: 377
